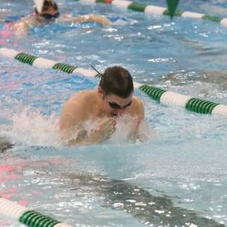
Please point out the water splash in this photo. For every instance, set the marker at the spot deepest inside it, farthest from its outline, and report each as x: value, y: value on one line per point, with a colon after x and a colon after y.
x: 32, y: 128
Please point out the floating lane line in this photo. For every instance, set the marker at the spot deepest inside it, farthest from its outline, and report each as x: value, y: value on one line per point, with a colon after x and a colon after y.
x: 168, y: 98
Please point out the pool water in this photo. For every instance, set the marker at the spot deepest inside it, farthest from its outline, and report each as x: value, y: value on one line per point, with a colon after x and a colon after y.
x: 177, y: 177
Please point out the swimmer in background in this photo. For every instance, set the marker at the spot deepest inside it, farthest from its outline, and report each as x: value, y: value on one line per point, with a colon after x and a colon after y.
x: 112, y: 99
x: 49, y: 14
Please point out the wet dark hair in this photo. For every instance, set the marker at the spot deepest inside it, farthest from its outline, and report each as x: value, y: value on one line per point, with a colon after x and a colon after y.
x: 118, y: 81
x: 48, y: 4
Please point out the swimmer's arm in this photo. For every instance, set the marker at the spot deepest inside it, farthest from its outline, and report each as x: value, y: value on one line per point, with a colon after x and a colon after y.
x: 104, y: 129
x: 76, y: 135
x: 73, y: 115
x: 87, y: 18
x: 22, y: 26
x: 83, y: 138
x: 139, y: 116
x: 71, y: 118
x: 78, y: 140
x: 22, y: 30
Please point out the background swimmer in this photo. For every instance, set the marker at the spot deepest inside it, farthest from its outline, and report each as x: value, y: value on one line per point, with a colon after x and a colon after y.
x: 49, y: 14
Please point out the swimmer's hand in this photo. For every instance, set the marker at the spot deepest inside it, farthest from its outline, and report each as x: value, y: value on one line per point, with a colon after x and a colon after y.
x: 105, y: 128
x: 99, y: 19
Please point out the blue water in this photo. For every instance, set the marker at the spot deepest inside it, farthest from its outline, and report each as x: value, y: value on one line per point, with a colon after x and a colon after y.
x: 180, y: 169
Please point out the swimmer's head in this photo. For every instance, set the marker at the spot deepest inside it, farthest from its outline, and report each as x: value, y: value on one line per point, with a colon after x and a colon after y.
x: 49, y: 11
x: 118, y: 81
x: 116, y: 90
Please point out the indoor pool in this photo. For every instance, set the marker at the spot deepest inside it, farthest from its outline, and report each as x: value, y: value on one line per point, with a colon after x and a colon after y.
x: 176, y: 177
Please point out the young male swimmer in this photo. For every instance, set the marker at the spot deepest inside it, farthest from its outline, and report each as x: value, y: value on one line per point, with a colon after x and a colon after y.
x: 49, y: 14
x: 112, y: 99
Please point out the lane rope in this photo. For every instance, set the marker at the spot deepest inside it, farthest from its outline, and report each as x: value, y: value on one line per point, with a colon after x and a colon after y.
x: 165, y: 97
x: 27, y: 217
x: 157, y: 10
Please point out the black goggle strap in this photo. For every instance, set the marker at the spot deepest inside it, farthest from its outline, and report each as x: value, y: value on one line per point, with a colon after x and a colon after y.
x: 99, y: 74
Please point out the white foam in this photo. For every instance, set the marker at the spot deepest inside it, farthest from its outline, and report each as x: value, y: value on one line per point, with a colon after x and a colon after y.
x: 32, y: 128
x: 122, y: 133
x: 123, y: 129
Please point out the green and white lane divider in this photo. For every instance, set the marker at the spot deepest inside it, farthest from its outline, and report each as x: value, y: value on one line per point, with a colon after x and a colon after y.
x: 156, y: 10
x: 168, y: 98
x: 27, y: 217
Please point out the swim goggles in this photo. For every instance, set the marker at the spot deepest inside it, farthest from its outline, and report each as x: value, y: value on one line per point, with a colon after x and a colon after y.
x: 114, y: 105
x: 49, y: 16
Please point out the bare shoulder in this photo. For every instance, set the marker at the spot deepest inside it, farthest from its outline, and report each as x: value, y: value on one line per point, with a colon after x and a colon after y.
x: 24, y: 22
x: 79, y: 101
x: 137, y: 101
x: 77, y: 108
x: 81, y: 97
x: 137, y: 107
x: 28, y: 20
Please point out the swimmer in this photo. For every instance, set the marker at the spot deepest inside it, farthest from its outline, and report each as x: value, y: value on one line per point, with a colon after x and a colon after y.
x: 112, y: 99
x: 49, y: 14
